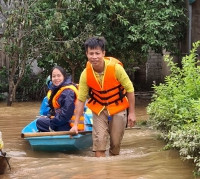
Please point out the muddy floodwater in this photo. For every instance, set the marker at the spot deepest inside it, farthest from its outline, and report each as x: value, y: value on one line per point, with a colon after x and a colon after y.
x: 141, y: 154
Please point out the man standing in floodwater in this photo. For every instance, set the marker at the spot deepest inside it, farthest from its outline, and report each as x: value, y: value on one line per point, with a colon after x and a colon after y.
x: 111, y: 93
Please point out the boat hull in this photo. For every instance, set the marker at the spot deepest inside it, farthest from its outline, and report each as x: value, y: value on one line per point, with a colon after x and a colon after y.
x: 61, y: 143
x: 58, y: 142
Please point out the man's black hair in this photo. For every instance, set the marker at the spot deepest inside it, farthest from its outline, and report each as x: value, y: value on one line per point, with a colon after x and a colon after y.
x: 95, y: 42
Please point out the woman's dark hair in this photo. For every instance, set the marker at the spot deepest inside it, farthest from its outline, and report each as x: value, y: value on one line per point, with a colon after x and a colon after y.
x: 61, y: 69
x: 54, y: 91
x: 95, y: 42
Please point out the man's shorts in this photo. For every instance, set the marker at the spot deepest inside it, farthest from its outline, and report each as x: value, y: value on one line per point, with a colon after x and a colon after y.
x: 103, y: 127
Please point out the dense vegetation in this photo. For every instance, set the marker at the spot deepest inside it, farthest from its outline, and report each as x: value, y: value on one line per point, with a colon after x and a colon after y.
x: 52, y: 32
x: 175, y: 109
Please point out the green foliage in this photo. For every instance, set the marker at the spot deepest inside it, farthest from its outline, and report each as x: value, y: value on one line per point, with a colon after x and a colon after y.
x: 53, y: 32
x: 187, y: 140
x: 65, y: 25
x: 3, y: 82
x: 173, y: 101
x: 158, y: 24
x: 175, y: 109
x: 18, y: 43
x: 31, y: 87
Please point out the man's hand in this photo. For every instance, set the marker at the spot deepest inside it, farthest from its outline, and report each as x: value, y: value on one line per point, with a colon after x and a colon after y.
x: 131, y: 119
x: 131, y: 115
x: 74, y: 128
x: 78, y: 113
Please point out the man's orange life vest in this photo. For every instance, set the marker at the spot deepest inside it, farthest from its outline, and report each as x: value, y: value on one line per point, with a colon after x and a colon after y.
x: 111, y: 94
x: 56, y: 105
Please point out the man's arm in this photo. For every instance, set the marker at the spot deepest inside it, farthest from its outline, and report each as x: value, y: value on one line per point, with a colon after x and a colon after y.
x: 78, y: 113
x: 127, y: 84
x: 131, y: 115
x: 82, y: 96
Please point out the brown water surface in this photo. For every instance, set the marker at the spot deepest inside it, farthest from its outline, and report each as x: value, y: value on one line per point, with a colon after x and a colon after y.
x: 141, y: 154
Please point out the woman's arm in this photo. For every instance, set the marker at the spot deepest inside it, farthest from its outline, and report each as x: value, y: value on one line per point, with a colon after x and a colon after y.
x: 66, y: 110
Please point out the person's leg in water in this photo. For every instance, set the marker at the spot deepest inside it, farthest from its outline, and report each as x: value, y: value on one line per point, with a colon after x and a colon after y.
x: 100, y: 133
x: 116, y: 128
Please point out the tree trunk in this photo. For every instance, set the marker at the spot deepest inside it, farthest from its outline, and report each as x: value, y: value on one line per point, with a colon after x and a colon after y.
x: 12, y: 86
x: 10, y: 94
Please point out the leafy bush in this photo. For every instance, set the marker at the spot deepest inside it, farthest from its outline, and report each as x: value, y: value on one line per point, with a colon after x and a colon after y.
x: 31, y: 87
x: 3, y: 82
x: 175, y: 109
x: 172, y: 101
x: 187, y: 140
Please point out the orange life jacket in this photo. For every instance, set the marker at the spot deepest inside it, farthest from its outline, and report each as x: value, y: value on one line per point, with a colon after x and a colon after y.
x: 111, y: 94
x: 56, y: 105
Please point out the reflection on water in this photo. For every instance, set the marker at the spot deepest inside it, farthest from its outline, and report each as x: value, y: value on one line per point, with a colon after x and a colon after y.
x: 141, y: 154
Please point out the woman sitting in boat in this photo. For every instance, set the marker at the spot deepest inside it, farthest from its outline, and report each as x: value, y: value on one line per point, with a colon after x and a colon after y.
x: 62, y: 97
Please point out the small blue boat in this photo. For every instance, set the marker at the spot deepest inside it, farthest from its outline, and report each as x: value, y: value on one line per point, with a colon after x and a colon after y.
x: 60, y: 142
